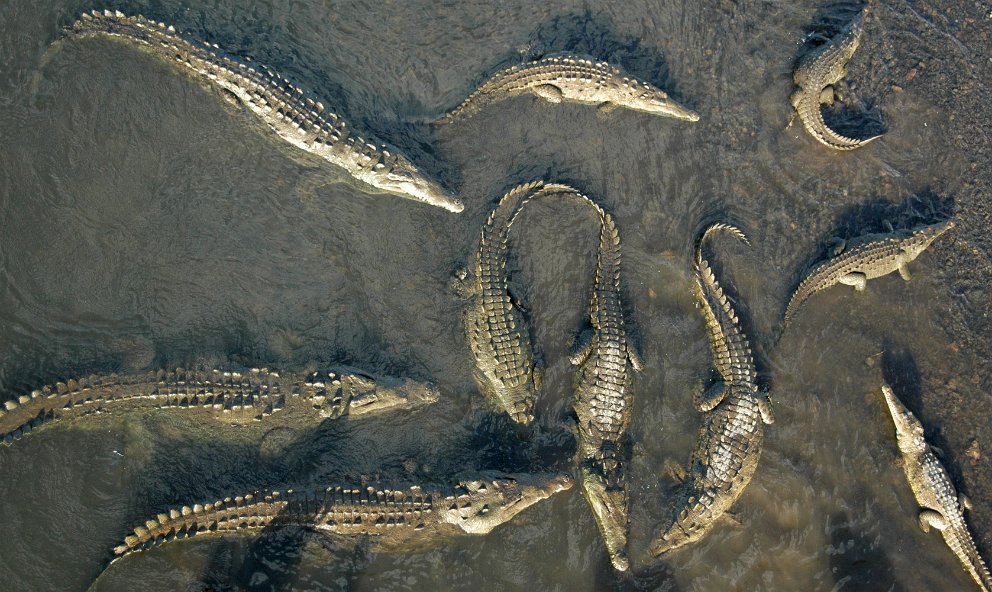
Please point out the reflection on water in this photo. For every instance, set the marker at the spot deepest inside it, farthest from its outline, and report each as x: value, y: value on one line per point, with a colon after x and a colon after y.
x: 145, y: 223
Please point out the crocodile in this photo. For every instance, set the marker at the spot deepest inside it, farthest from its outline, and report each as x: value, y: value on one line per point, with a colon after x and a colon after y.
x: 573, y: 78
x: 815, y: 75
x: 867, y: 257
x: 233, y: 396
x: 941, y: 506
x: 728, y: 445
x: 295, y: 116
x: 604, y: 357
x: 475, y: 505
x: 498, y: 335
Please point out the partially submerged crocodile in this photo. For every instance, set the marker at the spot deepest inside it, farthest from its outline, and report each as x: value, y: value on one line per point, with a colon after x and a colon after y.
x: 294, y: 116
x: 473, y: 506
x: 867, y: 257
x: 941, y: 506
x: 573, y: 78
x: 603, y: 398
x: 815, y: 76
x: 728, y: 445
x: 497, y: 332
x: 235, y: 397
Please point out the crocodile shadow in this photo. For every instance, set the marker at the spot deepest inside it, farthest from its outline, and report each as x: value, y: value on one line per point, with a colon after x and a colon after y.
x: 855, y: 558
x: 853, y: 116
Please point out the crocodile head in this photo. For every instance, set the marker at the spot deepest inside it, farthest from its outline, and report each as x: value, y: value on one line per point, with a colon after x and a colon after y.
x: 923, y: 236
x: 480, y: 505
x: 609, y: 507
x: 909, y: 430
x: 398, y: 175
x: 370, y: 396
x: 641, y: 96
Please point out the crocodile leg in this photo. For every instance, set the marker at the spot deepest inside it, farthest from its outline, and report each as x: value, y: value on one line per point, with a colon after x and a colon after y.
x: 856, y: 279
x: 583, y: 347
x: 904, y: 271
x: 548, y: 92
x: 765, y: 408
x: 827, y: 96
x: 607, y: 108
x: 836, y: 246
x: 713, y: 396
x: 932, y: 518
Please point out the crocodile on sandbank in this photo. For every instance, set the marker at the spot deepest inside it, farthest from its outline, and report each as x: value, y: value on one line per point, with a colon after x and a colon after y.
x: 941, y: 506
x: 231, y: 396
x: 572, y: 78
x: 728, y: 445
x: 292, y: 114
x: 474, y: 506
x: 867, y: 257
x: 497, y: 331
x: 606, y: 358
x: 815, y: 76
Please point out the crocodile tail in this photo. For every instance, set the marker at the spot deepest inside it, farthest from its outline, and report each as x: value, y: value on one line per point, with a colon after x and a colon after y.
x: 242, y: 514
x: 233, y: 396
x: 726, y: 338
x: 963, y: 546
x: 482, y: 96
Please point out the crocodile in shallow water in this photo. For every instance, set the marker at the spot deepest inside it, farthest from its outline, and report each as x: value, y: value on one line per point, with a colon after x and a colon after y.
x: 573, y: 78
x: 941, y: 507
x: 497, y: 331
x: 728, y: 445
x: 867, y: 257
x: 474, y: 506
x: 235, y: 397
x: 603, y: 398
x: 815, y: 74
x: 293, y: 115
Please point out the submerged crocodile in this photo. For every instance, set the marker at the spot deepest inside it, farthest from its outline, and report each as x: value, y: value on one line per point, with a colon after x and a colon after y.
x: 867, y: 257
x: 573, y: 78
x: 497, y: 332
x: 235, y: 397
x: 603, y: 398
x: 728, y: 445
x: 297, y: 118
x: 474, y: 506
x: 815, y: 74
x: 941, y: 506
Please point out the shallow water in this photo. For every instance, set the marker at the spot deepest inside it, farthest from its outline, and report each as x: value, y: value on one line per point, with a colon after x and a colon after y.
x: 145, y: 224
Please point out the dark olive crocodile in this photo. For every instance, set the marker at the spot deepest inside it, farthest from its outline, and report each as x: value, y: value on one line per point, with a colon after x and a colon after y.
x: 941, y: 507
x: 728, y: 445
x: 867, y: 257
x: 497, y: 331
x: 815, y: 74
x: 235, y: 397
x: 293, y: 115
x: 474, y: 506
x: 573, y: 78
x: 603, y: 398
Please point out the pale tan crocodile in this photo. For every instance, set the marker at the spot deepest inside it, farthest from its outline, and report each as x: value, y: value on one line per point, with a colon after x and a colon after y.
x: 573, y: 78
x: 814, y: 76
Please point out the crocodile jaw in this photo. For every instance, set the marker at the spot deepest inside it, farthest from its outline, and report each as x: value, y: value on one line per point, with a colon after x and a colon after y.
x: 925, y: 236
x: 403, y: 179
x: 658, y: 103
x: 909, y: 430
x: 409, y: 395
x: 610, y: 510
x: 479, y: 506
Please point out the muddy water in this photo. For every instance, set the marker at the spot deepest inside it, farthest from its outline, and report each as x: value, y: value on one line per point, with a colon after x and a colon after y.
x: 145, y: 223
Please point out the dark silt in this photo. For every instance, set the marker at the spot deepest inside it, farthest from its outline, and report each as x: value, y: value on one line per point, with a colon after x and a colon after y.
x: 144, y: 223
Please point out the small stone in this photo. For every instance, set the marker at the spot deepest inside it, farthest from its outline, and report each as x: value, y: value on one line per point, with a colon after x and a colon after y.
x: 896, y: 88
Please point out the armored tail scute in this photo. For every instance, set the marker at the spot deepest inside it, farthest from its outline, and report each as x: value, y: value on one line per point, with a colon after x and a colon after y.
x: 572, y: 78
x: 867, y: 257
x: 296, y: 117
x: 728, y: 445
x: 941, y: 506
x: 229, y: 396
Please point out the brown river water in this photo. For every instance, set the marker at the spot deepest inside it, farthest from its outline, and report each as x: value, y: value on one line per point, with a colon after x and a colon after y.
x: 145, y: 223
